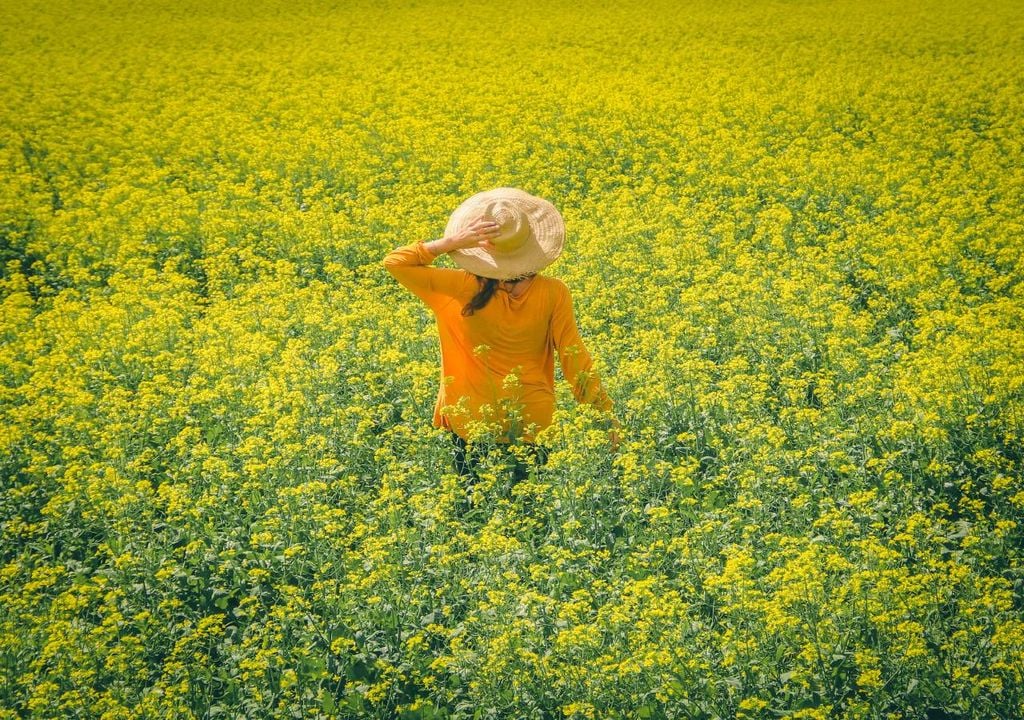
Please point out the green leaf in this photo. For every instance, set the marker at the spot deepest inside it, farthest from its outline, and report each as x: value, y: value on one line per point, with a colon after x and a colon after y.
x: 327, y: 702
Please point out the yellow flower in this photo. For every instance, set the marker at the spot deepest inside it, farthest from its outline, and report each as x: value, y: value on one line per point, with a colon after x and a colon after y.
x: 870, y: 679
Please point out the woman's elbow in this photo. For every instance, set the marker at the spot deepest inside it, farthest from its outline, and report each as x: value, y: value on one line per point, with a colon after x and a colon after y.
x: 391, y: 264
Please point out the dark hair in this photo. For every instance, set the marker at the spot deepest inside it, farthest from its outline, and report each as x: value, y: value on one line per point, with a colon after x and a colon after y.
x: 483, y: 295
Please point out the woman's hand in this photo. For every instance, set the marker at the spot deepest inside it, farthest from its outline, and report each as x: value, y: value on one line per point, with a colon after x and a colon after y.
x: 478, y: 233
x: 614, y: 428
x: 613, y: 439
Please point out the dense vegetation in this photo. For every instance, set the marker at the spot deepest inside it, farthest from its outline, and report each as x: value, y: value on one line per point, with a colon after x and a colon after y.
x: 795, y: 248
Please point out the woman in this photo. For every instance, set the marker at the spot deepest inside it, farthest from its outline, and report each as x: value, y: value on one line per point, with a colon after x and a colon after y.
x: 499, y: 323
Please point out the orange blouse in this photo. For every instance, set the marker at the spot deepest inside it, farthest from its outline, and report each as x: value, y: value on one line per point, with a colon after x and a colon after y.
x: 497, y: 365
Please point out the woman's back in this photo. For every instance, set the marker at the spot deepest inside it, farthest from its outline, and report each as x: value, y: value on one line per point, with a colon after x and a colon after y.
x: 499, y: 361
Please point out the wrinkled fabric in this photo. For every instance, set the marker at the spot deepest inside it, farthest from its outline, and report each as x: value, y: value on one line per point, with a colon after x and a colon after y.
x: 497, y: 365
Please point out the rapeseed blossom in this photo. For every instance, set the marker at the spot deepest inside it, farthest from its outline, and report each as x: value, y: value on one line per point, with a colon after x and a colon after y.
x: 794, y: 245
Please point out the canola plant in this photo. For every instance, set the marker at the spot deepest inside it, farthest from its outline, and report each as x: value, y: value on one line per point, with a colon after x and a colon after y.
x: 794, y: 241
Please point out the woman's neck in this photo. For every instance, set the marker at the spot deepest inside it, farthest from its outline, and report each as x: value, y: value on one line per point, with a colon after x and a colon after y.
x: 515, y: 288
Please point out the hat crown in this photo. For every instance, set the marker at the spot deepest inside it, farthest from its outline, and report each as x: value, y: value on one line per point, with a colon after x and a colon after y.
x: 513, y: 223
x: 530, y: 236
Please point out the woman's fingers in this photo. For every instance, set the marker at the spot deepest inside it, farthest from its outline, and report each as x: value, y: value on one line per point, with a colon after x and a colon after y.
x: 479, y: 233
x: 484, y: 225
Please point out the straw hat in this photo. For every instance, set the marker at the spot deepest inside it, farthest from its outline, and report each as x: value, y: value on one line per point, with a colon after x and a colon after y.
x: 531, y: 237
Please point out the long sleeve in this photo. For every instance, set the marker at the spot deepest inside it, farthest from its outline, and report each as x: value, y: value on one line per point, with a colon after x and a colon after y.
x: 577, y: 364
x: 410, y: 265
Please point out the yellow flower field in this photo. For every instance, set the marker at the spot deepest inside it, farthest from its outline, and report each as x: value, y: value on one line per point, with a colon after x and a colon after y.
x: 796, y: 250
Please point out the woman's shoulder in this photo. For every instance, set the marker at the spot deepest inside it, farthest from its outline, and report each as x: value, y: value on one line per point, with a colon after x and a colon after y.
x: 556, y: 287
x: 556, y: 284
x: 468, y: 280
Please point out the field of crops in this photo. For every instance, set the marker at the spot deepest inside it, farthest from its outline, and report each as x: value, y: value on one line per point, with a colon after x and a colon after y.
x: 794, y: 243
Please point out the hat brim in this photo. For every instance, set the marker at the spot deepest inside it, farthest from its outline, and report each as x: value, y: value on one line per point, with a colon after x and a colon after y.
x: 540, y: 249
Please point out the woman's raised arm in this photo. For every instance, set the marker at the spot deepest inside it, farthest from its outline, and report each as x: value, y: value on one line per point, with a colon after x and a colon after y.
x: 410, y: 264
